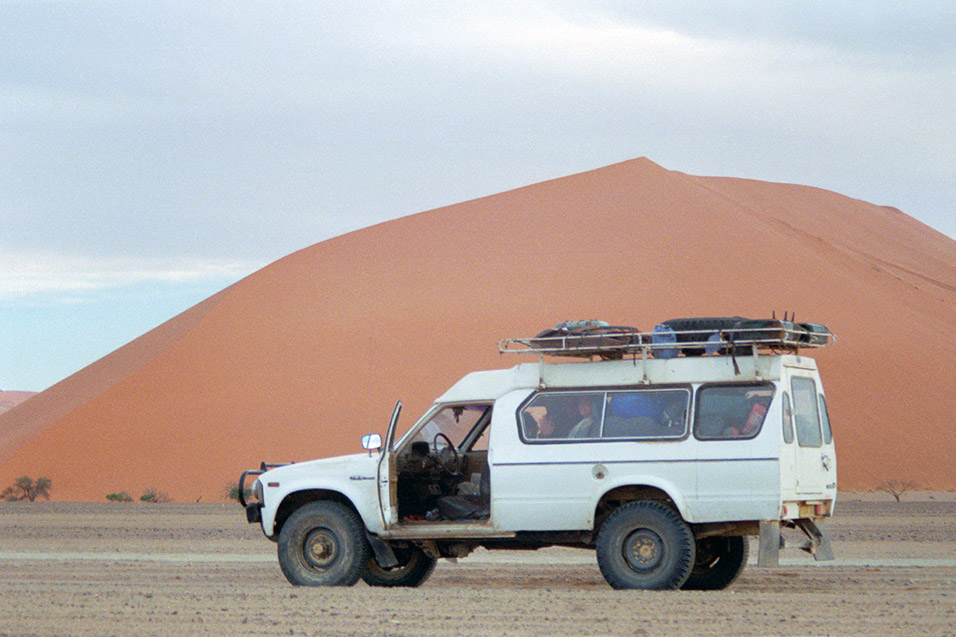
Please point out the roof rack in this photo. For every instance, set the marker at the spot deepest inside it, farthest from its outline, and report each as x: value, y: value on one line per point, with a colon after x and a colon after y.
x: 746, y: 337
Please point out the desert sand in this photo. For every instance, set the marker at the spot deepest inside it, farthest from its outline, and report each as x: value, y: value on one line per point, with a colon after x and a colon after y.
x: 178, y: 569
x: 303, y: 357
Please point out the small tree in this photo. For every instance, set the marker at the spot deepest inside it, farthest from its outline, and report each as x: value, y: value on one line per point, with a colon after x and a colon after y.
x: 25, y: 488
x: 154, y: 497
x: 122, y: 496
x: 896, y: 488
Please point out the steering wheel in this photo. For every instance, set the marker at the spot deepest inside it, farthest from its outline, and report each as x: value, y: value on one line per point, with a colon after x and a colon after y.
x: 447, y: 455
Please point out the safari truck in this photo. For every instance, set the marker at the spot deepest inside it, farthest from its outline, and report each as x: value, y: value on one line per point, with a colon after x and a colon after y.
x: 662, y: 451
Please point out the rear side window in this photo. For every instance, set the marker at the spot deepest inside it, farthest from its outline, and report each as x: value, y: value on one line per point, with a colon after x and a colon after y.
x: 806, y: 414
x: 731, y: 412
x: 825, y: 421
x: 598, y: 415
x: 787, y: 419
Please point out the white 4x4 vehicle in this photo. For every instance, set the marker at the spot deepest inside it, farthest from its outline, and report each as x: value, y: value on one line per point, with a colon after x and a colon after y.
x: 662, y: 451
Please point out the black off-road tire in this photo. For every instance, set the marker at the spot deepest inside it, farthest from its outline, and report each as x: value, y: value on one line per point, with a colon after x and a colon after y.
x: 413, y: 569
x: 645, y: 545
x: 323, y: 544
x: 718, y: 563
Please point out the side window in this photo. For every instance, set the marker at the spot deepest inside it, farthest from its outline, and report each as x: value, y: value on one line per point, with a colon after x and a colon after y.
x: 787, y: 419
x: 805, y: 412
x: 731, y: 412
x: 562, y: 416
x: 594, y: 415
x: 646, y: 414
x: 825, y: 421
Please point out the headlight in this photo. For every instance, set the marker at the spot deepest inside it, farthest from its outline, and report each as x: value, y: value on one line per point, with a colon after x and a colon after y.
x: 257, y: 491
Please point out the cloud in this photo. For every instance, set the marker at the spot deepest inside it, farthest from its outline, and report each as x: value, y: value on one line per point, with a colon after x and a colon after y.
x: 146, y: 130
x: 55, y: 278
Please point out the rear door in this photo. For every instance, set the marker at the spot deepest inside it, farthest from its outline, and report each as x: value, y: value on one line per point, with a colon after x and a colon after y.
x: 813, y: 457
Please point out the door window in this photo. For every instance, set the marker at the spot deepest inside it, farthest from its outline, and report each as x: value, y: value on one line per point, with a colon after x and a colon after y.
x: 787, y: 419
x: 825, y: 421
x: 805, y: 412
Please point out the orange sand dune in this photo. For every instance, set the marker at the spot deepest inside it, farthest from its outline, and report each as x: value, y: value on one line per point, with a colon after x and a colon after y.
x: 303, y: 357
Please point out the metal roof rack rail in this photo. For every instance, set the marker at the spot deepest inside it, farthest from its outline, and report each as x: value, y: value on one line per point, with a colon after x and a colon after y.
x: 608, y: 343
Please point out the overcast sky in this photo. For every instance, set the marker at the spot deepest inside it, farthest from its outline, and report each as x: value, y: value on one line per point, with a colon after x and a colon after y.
x: 153, y: 153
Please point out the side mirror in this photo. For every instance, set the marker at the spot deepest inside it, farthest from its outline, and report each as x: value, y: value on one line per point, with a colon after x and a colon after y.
x: 371, y: 442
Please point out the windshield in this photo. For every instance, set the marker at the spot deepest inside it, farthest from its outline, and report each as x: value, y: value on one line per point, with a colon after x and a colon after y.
x: 454, y: 421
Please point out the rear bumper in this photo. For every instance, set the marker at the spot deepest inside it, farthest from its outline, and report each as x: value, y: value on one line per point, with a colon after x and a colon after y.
x: 813, y: 508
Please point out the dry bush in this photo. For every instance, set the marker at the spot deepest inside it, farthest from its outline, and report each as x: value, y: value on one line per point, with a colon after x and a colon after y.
x: 896, y: 488
x: 154, y: 496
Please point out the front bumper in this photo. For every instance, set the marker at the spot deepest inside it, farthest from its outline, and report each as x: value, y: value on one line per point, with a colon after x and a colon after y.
x: 254, y: 507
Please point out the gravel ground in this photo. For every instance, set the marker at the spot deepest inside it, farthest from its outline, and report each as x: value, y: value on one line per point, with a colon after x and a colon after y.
x: 177, y: 569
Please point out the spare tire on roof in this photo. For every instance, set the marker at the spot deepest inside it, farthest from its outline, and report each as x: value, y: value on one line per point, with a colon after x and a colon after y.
x: 698, y: 330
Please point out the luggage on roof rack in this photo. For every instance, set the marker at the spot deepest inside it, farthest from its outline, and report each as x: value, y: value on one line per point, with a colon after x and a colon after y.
x: 696, y: 333
x: 735, y: 336
x: 585, y: 339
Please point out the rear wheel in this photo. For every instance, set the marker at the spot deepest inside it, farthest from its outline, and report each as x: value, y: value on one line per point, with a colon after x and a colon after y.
x: 645, y: 545
x: 414, y: 567
x: 323, y: 544
x: 718, y: 563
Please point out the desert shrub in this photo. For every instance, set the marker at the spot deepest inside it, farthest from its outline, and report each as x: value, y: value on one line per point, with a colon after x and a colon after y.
x: 232, y: 492
x: 896, y: 488
x: 26, y: 488
x: 122, y: 496
x: 154, y: 497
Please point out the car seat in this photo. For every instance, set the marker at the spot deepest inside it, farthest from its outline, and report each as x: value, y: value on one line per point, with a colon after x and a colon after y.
x: 469, y: 507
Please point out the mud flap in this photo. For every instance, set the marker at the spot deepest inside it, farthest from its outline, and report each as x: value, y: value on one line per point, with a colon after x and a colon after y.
x: 384, y: 555
x: 771, y: 541
x: 768, y: 553
x: 818, y: 545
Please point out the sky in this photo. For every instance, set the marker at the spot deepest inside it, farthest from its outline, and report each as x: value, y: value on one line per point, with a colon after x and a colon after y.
x: 153, y: 153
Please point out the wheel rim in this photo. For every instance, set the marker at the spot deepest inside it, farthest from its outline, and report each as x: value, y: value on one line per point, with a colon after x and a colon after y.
x: 320, y: 548
x: 643, y: 550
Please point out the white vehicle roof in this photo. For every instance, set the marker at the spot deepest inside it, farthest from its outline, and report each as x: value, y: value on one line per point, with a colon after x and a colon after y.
x: 492, y: 384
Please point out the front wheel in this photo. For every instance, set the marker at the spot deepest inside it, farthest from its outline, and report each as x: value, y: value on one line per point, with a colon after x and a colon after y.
x: 645, y: 545
x: 323, y: 544
x: 719, y: 562
x: 414, y: 567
